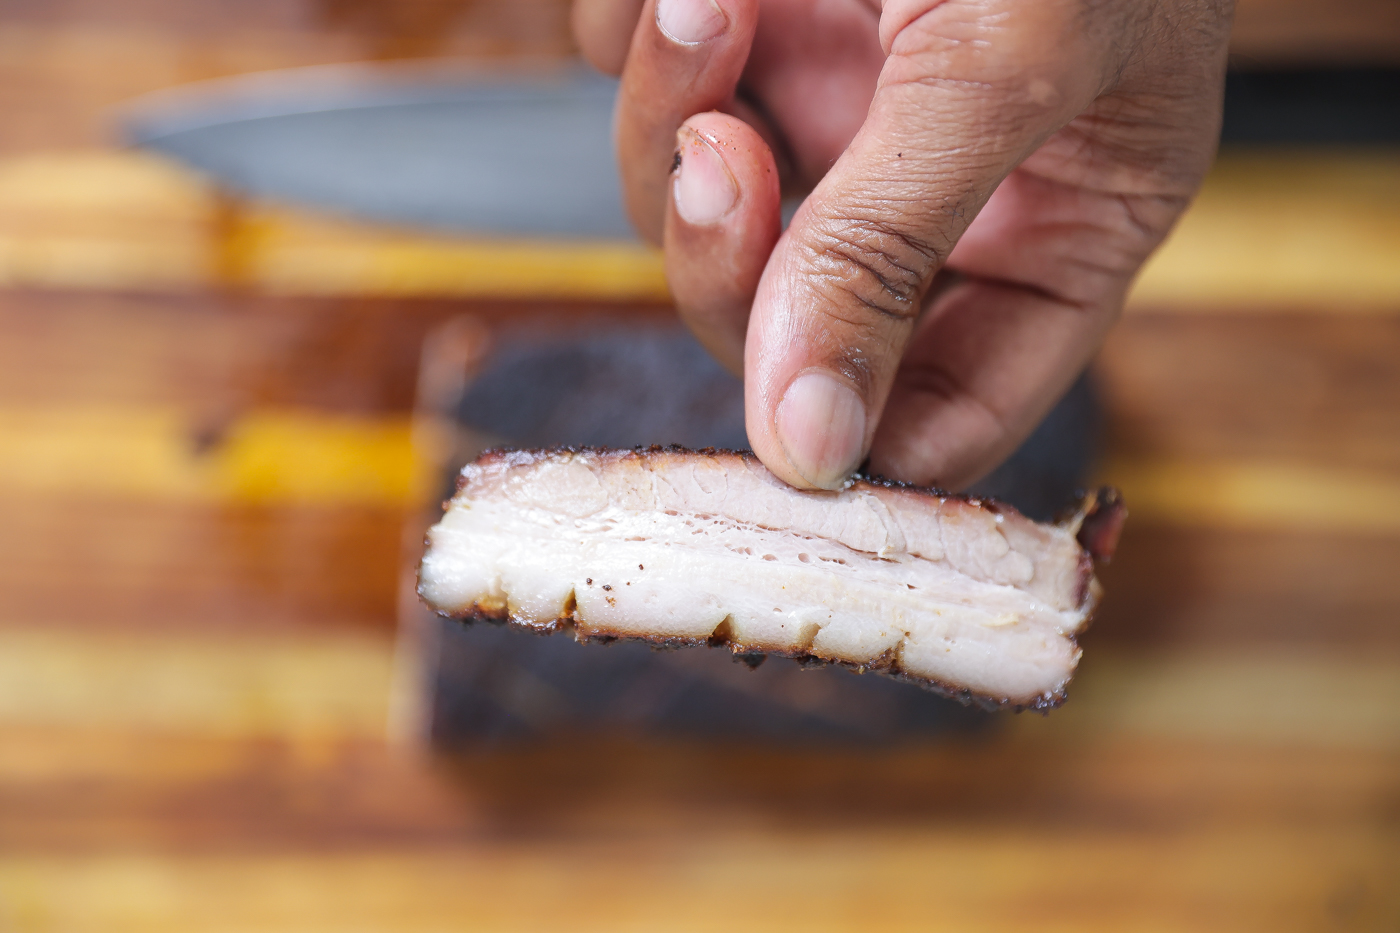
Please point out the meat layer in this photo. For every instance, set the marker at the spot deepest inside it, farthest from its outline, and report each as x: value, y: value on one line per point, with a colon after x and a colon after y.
x: 684, y: 547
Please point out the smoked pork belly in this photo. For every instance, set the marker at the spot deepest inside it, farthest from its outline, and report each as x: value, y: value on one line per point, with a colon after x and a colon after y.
x: 964, y: 596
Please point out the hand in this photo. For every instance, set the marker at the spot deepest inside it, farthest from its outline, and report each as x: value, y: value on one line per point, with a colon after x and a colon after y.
x: 986, y: 177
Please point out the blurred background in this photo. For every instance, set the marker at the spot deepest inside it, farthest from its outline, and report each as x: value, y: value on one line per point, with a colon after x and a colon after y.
x: 238, y: 317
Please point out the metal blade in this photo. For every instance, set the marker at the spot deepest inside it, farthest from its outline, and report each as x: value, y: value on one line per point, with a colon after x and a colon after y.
x: 525, y: 155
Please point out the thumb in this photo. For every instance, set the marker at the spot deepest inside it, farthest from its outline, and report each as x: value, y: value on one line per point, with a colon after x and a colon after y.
x: 968, y: 90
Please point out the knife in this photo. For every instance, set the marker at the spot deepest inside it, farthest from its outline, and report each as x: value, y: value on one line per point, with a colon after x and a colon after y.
x: 459, y: 149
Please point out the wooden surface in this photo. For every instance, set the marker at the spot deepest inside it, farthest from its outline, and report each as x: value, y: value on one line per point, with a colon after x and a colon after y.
x: 202, y: 491
x: 65, y: 63
x: 1309, y: 32
x: 1269, y: 232
x: 195, y: 691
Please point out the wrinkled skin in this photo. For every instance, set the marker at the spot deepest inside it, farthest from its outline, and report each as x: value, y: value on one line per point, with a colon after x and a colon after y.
x: 986, y: 177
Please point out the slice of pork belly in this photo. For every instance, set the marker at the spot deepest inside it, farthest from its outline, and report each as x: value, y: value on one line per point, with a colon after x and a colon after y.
x: 684, y: 547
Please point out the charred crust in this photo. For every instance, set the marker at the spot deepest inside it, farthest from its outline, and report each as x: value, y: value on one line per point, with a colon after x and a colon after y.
x: 886, y: 662
x: 1103, y: 514
x: 754, y: 655
x: 883, y: 482
x: 751, y: 659
x: 1086, y: 579
x: 590, y: 638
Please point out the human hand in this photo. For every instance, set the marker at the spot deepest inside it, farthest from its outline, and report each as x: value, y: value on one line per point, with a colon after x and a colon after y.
x: 986, y: 178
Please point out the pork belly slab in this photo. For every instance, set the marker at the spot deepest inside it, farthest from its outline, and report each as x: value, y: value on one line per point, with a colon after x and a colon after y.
x: 682, y: 547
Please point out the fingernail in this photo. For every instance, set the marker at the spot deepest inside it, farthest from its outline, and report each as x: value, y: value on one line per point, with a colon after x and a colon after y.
x: 821, y: 425
x: 690, y: 21
x: 704, y: 188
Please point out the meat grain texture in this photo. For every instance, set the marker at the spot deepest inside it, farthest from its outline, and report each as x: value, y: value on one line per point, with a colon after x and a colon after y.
x: 678, y: 547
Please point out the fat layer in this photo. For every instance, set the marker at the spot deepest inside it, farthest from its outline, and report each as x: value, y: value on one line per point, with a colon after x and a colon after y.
x: 686, y: 575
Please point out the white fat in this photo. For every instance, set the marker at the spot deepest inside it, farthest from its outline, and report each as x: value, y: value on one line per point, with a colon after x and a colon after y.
x: 673, y: 574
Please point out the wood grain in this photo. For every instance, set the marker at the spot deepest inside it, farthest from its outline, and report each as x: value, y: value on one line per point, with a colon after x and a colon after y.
x: 258, y: 456
x: 1311, y: 231
x: 825, y: 881
x: 139, y: 565
x: 1179, y: 585
x: 1312, y: 32
x: 65, y: 66
x: 1278, y: 231
x: 1316, y: 390
x: 214, y: 354
x: 1160, y: 836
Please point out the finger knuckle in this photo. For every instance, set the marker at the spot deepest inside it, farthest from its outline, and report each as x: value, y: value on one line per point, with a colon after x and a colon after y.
x: 882, y: 265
